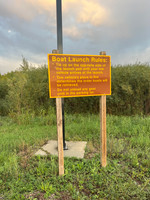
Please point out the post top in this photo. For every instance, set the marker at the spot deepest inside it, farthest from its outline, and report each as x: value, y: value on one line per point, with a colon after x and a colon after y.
x: 102, y: 52
x: 55, y: 51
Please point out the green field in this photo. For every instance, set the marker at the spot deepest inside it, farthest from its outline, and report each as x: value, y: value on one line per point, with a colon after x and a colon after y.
x: 24, y: 176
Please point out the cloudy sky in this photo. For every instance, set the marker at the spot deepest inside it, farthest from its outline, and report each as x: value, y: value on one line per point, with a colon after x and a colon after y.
x: 119, y: 27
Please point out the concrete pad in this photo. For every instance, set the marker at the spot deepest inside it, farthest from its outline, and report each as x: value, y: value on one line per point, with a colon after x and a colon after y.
x: 40, y: 152
x: 75, y: 149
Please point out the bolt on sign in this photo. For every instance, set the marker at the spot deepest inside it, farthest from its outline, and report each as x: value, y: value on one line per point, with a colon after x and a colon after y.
x: 79, y: 75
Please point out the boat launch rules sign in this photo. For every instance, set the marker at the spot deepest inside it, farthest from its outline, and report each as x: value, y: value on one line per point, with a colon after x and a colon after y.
x: 79, y: 75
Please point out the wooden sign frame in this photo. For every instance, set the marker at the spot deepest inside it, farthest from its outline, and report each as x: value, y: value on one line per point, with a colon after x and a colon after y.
x: 103, y: 143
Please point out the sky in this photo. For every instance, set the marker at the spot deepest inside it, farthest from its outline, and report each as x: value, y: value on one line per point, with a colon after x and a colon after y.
x: 119, y: 27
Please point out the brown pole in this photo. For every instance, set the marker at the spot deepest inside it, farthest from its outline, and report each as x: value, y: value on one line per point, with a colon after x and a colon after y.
x: 59, y: 131
x: 103, y: 127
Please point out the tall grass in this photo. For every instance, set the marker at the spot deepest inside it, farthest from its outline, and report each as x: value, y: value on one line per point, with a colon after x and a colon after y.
x: 22, y: 175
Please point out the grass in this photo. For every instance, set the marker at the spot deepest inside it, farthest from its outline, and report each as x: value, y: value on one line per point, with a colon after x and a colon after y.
x: 24, y: 176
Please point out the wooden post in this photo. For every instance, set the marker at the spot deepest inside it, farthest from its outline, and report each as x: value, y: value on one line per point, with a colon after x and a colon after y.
x: 60, y: 136
x: 103, y: 127
x: 59, y: 131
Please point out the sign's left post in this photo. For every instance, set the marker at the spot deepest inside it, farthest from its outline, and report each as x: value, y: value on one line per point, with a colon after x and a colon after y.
x: 59, y: 131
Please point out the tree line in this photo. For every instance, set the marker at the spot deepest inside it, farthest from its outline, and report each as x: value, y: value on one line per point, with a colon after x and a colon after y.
x: 27, y: 90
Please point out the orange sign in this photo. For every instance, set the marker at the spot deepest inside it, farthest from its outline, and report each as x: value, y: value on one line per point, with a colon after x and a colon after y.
x: 79, y: 75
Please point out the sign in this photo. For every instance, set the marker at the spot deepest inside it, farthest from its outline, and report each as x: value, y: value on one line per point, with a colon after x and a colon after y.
x: 79, y: 75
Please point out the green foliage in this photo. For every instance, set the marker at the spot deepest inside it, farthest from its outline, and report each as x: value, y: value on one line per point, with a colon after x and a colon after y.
x: 4, y: 104
x: 16, y: 92
x: 130, y: 90
x: 27, y: 89
x: 36, y: 89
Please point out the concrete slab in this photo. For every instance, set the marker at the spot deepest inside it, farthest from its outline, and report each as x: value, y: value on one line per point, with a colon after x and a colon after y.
x: 40, y: 152
x: 75, y: 149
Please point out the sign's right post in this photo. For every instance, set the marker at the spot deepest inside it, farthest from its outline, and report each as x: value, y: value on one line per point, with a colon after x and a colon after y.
x: 103, y: 144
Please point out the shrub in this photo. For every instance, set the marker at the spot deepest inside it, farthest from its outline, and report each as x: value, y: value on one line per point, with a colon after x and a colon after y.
x: 28, y: 89
x: 4, y: 104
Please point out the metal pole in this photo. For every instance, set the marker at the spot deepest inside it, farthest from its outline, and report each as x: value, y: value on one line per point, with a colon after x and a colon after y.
x: 59, y: 27
x: 60, y: 48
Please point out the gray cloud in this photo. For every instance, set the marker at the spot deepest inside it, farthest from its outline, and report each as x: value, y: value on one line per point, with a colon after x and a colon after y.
x: 28, y: 28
